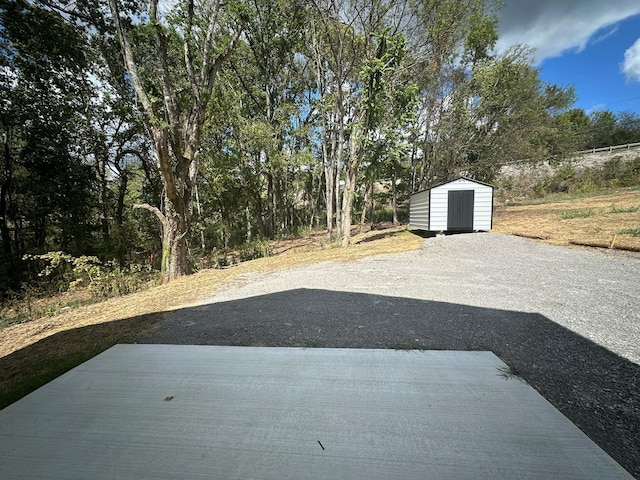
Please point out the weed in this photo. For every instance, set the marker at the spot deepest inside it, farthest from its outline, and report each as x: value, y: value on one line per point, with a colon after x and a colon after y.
x: 81, y: 302
x: 509, y: 372
x: 408, y: 345
x: 6, y: 322
x: 311, y: 343
x: 615, y: 209
x: 569, y: 214
x: 69, y: 273
x: 634, y: 232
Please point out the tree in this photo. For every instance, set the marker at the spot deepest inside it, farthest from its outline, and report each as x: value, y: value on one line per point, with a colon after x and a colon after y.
x: 271, y: 74
x: 449, y: 39
x: 574, y: 126
x: 174, y: 88
x: 46, y: 190
x: 336, y: 51
x: 628, y: 128
x: 385, y: 103
x: 603, y: 128
x: 512, y: 116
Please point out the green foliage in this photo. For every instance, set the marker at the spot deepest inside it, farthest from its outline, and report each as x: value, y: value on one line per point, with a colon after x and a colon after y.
x: 570, y: 214
x: 562, y: 181
x: 253, y: 250
x: 615, y: 209
x: 613, y: 174
x: 386, y: 215
x: 634, y: 232
x: 513, y: 116
x: 315, y: 96
x: 65, y: 273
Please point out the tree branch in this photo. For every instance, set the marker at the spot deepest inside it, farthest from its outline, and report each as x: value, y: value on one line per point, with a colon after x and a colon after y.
x: 188, y: 54
x: 170, y: 99
x: 208, y: 43
x: 213, y: 69
x: 152, y: 209
x: 130, y: 62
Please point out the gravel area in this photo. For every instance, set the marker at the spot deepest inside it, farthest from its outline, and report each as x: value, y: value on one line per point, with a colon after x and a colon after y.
x: 566, y: 320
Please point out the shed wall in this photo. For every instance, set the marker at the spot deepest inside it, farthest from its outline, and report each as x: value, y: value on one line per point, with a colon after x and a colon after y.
x: 482, y: 210
x: 419, y: 210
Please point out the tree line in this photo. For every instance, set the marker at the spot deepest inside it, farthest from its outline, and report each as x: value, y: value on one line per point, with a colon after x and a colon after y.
x: 175, y: 129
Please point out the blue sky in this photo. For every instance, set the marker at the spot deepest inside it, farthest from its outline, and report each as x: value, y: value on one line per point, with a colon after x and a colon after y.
x: 591, y: 44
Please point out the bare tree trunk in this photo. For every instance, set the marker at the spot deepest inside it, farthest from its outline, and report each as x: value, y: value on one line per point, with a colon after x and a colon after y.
x: 351, y: 175
x: 175, y: 126
x: 326, y: 161
x: 365, y: 201
x: 5, y: 189
x: 347, y: 203
x: 373, y: 202
x: 394, y: 195
x: 338, y: 149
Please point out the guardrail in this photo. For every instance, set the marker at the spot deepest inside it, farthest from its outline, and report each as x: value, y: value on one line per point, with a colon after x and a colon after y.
x: 627, y: 146
x: 610, y: 149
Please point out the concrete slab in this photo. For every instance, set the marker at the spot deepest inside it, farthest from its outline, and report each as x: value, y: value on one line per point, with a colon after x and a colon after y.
x: 166, y: 412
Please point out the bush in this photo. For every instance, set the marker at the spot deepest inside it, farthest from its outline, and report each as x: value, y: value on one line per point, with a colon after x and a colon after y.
x: 560, y: 182
x: 64, y: 272
x: 253, y: 250
x: 615, y: 173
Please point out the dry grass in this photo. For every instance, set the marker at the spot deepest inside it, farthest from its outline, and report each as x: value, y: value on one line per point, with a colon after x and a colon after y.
x: 189, y: 290
x: 596, y: 221
x: 34, y: 353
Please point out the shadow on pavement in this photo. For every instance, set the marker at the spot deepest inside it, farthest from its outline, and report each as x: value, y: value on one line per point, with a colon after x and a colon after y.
x: 596, y: 389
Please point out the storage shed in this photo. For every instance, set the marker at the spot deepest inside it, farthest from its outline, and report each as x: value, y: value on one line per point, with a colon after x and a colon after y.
x: 460, y: 205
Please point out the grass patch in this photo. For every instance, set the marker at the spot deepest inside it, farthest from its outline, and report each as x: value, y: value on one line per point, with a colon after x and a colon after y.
x: 615, y: 209
x: 17, y: 320
x: 634, y: 232
x: 20, y: 386
x: 27, y: 369
x: 570, y: 214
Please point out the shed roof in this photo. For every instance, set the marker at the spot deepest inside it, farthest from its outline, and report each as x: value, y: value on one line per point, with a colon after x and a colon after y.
x: 455, y: 179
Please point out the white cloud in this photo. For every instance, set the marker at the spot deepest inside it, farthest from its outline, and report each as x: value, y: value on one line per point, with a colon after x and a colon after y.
x: 552, y: 27
x: 631, y: 63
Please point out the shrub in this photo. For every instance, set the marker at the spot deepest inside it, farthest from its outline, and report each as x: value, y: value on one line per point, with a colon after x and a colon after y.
x: 65, y: 272
x: 615, y: 173
x: 253, y: 250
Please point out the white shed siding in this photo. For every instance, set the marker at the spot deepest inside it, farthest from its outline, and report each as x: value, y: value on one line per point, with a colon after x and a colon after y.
x: 429, y: 209
x: 419, y: 210
x: 482, y: 207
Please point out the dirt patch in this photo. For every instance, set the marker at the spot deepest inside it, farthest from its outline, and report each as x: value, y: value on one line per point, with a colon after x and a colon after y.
x: 602, y: 221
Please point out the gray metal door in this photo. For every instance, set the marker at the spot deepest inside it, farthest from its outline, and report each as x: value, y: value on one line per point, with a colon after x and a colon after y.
x: 460, y: 210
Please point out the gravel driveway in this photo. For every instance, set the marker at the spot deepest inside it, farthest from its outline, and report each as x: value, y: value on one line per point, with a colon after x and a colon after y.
x: 566, y: 320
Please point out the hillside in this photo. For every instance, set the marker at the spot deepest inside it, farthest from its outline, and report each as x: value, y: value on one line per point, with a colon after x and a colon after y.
x: 606, y: 220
